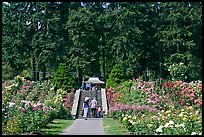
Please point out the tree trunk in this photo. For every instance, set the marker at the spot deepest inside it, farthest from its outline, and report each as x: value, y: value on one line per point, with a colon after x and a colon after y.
x: 34, y: 69
x: 79, y: 72
x: 44, y: 72
x: 103, y: 65
x: 37, y: 75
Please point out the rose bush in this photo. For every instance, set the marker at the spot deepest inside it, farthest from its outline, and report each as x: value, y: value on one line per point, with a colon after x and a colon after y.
x: 28, y: 106
x: 176, y: 107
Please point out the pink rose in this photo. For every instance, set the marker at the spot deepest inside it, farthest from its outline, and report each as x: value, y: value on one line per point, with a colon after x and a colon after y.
x: 23, y: 110
x: 35, y: 108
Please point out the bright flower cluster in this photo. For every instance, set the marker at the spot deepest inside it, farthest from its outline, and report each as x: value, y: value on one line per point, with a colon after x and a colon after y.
x: 27, y: 106
x: 158, y: 107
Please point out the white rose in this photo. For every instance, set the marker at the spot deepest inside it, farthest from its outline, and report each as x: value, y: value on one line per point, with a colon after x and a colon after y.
x: 193, y: 133
x: 159, y: 129
x: 129, y: 116
x: 133, y: 123
x: 171, y: 122
x: 166, y: 125
x: 182, y: 125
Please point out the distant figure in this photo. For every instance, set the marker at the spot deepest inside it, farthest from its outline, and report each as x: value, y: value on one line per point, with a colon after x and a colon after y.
x: 86, y: 107
x: 99, y: 111
x: 83, y: 85
x: 94, y: 88
x: 88, y: 86
x: 93, y: 107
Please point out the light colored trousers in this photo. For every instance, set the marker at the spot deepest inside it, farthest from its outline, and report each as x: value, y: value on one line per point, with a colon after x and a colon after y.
x: 85, y: 112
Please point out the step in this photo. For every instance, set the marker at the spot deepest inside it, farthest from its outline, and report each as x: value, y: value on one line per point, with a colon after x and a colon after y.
x: 86, y: 94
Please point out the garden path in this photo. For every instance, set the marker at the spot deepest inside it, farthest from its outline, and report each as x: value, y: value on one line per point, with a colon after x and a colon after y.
x: 91, y: 126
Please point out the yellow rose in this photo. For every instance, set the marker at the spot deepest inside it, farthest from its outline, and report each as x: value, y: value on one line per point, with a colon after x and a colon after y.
x: 191, y: 108
x: 181, y: 114
x: 168, y: 111
x: 150, y: 125
x: 162, y: 111
x: 199, y: 122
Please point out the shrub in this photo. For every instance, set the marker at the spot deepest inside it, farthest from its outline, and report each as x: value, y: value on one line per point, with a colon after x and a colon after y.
x: 12, y: 126
x: 28, y: 106
x: 116, y: 76
x: 178, y: 71
x: 63, y: 79
x: 63, y: 113
x: 52, y: 114
x: 171, y: 107
x: 27, y: 73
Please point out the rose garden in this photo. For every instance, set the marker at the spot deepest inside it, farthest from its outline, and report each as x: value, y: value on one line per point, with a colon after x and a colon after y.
x: 154, y: 107
x: 148, y: 56
x: 158, y: 107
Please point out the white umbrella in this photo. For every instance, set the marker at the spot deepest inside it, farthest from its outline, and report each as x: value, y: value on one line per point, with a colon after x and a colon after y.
x: 95, y: 80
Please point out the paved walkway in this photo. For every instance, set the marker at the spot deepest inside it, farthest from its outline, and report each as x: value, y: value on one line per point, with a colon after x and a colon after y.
x: 91, y: 126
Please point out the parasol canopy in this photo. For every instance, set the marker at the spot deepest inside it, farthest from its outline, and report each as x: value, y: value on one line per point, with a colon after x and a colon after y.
x: 94, y: 80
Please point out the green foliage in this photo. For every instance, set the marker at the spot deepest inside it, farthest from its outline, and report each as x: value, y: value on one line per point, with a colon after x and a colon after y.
x: 27, y: 73
x: 42, y: 35
x: 32, y: 121
x: 12, y: 126
x: 178, y: 71
x: 64, y: 113
x: 193, y: 68
x: 116, y: 76
x: 8, y: 72
x: 62, y: 78
x: 52, y: 115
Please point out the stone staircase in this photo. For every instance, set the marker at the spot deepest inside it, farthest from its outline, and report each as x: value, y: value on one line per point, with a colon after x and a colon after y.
x: 86, y: 94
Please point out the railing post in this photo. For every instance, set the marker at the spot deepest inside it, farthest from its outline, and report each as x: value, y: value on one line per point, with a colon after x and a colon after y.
x: 76, y: 103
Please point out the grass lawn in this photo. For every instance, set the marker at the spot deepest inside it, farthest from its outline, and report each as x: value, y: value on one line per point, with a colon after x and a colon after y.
x: 56, y: 127
x: 114, y: 127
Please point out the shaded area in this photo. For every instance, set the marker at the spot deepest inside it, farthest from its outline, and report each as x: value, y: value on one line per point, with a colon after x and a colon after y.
x: 56, y: 126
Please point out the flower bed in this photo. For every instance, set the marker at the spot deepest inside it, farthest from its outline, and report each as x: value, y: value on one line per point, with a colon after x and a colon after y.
x: 28, y: 106
x: 158, y: 107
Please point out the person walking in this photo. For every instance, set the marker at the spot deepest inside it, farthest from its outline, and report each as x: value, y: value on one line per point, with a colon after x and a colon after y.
x: 86, y: 107
x: 93, y: 107
x: 99, y: 111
